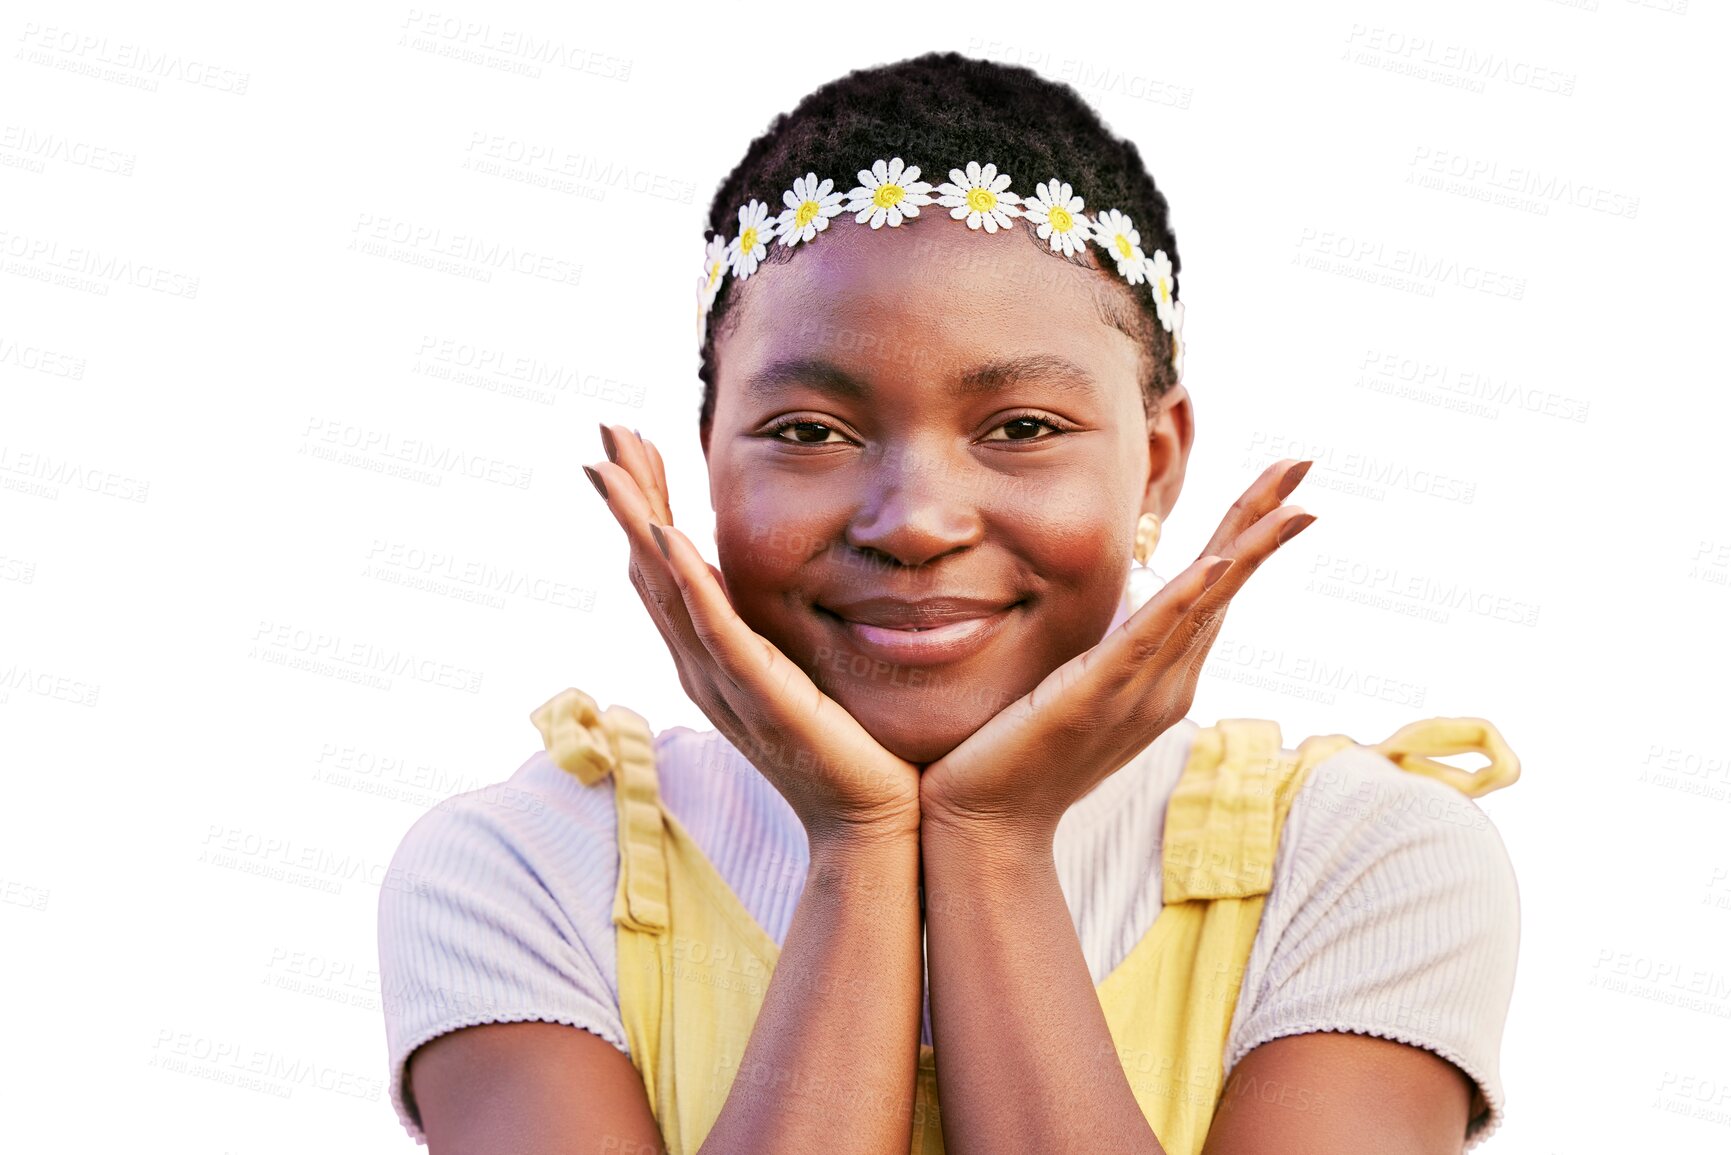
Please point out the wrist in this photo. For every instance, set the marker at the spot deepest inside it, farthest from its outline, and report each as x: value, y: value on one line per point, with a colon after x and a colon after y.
x: 982, y: 874
x: 842, y: 845
x: 986, y: 842
x: 888, y: 828
x: 877, y: 865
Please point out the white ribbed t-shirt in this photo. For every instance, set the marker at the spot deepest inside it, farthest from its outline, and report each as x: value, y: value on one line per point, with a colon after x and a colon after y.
x: 1394, y: 909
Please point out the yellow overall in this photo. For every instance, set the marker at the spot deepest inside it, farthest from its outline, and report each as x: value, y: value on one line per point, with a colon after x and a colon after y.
x: 694, y: 965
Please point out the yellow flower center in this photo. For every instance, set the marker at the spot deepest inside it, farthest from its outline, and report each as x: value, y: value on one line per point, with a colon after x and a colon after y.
x: 807, y: 210
x: 1165, y: 294
x: 982, y: 200
x: 1122, y: 243
x: 748, y: 239
x: 1061, y: 218
x: 714, y: 272
x: 888, y: 196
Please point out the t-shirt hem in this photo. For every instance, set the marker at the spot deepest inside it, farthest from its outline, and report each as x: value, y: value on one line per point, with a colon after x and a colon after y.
x: 1479, y: 1128
x: 399, y: 1068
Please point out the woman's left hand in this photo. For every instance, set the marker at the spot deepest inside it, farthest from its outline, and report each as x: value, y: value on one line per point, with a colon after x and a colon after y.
x: 1017, y: 775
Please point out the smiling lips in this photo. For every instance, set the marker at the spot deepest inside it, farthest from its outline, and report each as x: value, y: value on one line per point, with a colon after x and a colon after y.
x: 927, y: 613
x: 924, y: 632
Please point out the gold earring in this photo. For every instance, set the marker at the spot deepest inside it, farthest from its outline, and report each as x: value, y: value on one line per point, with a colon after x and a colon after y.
x: 1147, y: 534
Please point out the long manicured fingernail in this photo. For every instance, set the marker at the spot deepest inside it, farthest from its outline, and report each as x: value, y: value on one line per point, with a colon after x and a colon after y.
x: 1216, y: 572
x: 660, y: 540
x: 595, y: 480
x: 1292, y: 528
x: 1293, y: 476
x: 607, y: 444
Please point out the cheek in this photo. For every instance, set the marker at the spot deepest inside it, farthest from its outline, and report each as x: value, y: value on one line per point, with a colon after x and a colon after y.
x: 1077, y: 541
x: 763, y: 538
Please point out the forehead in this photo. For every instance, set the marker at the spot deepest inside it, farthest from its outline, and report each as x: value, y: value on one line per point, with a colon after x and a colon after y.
x: 930, y: 294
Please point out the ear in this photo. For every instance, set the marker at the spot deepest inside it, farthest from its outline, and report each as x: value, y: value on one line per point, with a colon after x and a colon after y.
x: 1171, y: 430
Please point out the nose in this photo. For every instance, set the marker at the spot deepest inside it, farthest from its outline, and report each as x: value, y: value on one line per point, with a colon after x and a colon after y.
x: 919, y: 508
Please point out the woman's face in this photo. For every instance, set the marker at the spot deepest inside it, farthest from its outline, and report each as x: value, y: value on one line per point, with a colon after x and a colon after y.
x: 914, y: 478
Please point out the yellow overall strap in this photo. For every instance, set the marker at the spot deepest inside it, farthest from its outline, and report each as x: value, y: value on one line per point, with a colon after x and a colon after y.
x: 693, y: 966
x: 1170, y: 1005
x: 1408, y: 746
x: 590, y: 744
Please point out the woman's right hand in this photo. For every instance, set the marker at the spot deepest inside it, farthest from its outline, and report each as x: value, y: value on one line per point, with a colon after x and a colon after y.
x: 838, y: 779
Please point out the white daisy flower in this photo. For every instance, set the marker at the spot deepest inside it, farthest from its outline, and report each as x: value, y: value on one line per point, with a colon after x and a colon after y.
x: 809, y: 207
x: 714, y: 265
x: 981, y: 196
x: 1058, y: 212
x: 709, y: 281
x: 747, y: 249
x: 1178, y: 340
x: 887, y: 193
x: 1158, y: 270
x: 1114, y: 232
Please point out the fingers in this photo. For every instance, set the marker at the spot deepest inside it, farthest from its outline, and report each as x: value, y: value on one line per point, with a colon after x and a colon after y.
x: 721, y: 660
x: 1248, y: 551
x: 1255, y: 526
x: 737, y: 650
x: 1163, y: 637
x: 1274, y: 485
x: 660, y: 470
x: 1255, y: 546
x: 626, y: 450
x: 1128, y: 676
x: 650, y: 572
x: 629, y: 451
x: 1149, y: 627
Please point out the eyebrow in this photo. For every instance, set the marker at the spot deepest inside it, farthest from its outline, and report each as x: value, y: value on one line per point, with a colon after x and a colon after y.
x: 983, y: 380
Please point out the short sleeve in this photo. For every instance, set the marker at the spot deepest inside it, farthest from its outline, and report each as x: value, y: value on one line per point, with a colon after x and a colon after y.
x: 493, y: 910
x: 1395, y: 913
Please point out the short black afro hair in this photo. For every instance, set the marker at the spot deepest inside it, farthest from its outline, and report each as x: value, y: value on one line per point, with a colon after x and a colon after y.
x: 939, y: 111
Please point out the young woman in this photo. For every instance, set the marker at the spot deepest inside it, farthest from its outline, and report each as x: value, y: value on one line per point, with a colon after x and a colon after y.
x: 953, y: 829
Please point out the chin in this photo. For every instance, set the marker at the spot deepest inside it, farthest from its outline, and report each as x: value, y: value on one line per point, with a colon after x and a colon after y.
x: 919, y: 725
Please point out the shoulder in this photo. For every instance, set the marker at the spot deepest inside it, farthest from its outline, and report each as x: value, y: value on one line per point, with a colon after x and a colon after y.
x: 497, y: 907
x: 1394, y: 912
x: 1357, y: 808
x: 540, y: 811
x: 540, y: 806
x: 1371, y: 844
x: 495, y: 893
x: 544, y: 833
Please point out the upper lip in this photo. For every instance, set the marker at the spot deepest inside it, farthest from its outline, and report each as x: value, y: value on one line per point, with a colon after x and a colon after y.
x: 901, y: 613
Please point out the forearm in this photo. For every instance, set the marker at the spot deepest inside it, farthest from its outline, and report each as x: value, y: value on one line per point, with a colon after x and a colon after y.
x: 1024, y: 1054
x: 832, y: 1057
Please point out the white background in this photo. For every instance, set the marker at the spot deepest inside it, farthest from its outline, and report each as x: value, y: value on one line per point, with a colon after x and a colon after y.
x: 1519, y: 477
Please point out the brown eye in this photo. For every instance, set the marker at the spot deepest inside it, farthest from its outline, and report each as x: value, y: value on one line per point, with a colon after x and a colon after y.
x: 1025, y: 427
x: 803, y: 436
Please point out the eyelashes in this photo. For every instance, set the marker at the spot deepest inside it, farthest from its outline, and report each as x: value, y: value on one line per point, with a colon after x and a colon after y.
x: 773, y: 432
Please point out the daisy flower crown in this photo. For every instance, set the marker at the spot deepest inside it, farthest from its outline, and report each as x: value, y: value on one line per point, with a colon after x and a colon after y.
x: 890, y: 192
